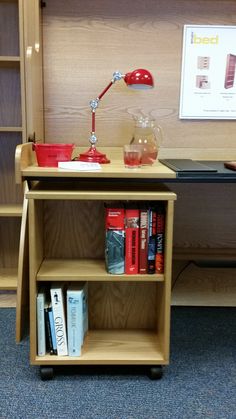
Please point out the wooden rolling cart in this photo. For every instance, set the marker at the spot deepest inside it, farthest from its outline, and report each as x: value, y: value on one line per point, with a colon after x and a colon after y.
x: 129, y: 315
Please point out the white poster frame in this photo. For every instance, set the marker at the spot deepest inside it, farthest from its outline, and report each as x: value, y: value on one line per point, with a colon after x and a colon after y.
x: 207, y: 90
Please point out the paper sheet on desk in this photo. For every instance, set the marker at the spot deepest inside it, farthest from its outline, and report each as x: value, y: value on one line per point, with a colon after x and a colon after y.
x: 79, y: 166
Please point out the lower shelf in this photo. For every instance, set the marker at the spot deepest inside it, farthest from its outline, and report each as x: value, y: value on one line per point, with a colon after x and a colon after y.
x: 110, y: 347
x: 8, y: 279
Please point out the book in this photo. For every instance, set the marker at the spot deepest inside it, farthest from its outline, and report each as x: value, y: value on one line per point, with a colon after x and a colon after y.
x: 160, y: 235
x: 52, y: 328
x: 58, y: 308
x: 49, y: 346
x: 41, y: 331
x: 85, y: 310
x: 115, y: 239
x: 77, y: 317
x: 143, y: 240
x: 132, y: 240
x: 151, y: 240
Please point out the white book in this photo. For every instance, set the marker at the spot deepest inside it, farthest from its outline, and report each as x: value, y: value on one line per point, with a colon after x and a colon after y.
x: 58, y: 309
x: 41, y: 331
x: 77, y: 317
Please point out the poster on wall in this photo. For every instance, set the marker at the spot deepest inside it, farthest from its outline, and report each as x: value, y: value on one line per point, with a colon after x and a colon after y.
x: 208, y: 80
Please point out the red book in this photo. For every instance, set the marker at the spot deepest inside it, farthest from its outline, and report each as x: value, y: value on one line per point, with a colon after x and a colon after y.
x: 143, y: 241
x: 132, y: 241
x: 114, y: 217
x: 159, y: 259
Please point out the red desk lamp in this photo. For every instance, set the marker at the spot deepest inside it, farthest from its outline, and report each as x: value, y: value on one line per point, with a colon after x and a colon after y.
x: 137, y: 79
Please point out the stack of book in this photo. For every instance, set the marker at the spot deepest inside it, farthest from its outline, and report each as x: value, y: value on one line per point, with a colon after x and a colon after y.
x: 135, y: 238
x: 62, y: 318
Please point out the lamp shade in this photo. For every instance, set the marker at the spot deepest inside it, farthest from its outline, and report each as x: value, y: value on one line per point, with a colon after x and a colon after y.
x: 139, y: 79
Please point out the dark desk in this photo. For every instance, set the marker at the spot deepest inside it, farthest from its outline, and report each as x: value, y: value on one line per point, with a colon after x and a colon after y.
x: 217, y: 172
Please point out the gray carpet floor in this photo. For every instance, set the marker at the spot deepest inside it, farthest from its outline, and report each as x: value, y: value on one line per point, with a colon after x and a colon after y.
x: 200, y: 381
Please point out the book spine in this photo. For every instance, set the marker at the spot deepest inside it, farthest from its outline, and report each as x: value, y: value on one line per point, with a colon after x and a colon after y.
x: 74, y: 322
x: 159, y: 258
x: 151, y: 240
x: 115, y: 240
x: 85, y: 310
x: 132, y: 241
x: 143, y: 241
x: 52, y: 328
x: 59, y: 320
x: 49, y: 345
x: 41, y: 332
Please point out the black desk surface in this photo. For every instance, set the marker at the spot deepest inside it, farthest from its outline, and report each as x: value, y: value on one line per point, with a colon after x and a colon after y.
x: 217, y: 171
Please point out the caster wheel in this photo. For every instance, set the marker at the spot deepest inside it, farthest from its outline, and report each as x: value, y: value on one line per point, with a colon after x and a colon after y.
x: 156, y: 372
x: 46, y: 373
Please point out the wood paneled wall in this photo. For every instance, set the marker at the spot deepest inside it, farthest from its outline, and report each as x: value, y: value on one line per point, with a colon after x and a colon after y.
x: 86, y: 41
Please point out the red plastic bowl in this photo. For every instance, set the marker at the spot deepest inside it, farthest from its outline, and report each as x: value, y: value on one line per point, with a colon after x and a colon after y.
x: 48, y: 155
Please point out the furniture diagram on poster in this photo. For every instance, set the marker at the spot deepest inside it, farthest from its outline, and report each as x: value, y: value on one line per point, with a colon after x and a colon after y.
x: 230, y: 71
x: 203, y: 63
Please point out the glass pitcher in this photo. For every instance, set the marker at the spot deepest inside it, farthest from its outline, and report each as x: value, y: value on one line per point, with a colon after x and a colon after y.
x: 149, y: 136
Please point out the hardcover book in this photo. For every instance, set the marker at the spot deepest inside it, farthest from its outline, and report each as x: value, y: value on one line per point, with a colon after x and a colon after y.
x: 132, y: 240
x: 143, y: 241
x: 58, y: 308
x: 52, y: 328
x: 77, y: 317
x: 49, y: 345
x: 159, y: 258
x: 151, y: 240
x: 115, y: 240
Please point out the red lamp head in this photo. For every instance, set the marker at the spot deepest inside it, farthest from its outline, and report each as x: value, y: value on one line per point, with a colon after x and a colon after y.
x: 139, y: 79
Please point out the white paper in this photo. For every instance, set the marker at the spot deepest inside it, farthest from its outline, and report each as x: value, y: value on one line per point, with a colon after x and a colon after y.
x: 79, y: 166
x: 208, y: 82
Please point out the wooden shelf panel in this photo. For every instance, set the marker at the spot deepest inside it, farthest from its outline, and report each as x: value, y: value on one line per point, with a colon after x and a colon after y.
x: 10, y: 210
x: 202, y: 254
x: 9, y: 1
x: 9, y: 61
x: 109, y: 347
x: 11, y: 129
x: 104, y: 191
x: 85, y: 269
x: 8, y: 279
x: 8, y: 299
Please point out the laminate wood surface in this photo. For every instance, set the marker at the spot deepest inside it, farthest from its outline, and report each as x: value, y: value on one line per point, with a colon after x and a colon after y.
x: 10, y: 193
x: 9, y: 28
x: 9, y: 242
x: 84, y: 43
x: 10, y: 111
x: 113, y: 347
x: 7, y: 299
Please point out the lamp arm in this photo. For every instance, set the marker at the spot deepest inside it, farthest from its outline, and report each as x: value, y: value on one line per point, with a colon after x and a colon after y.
x: 95, y: 102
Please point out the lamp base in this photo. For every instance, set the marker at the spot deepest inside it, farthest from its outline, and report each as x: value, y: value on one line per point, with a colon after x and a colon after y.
x: 92, y: 155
